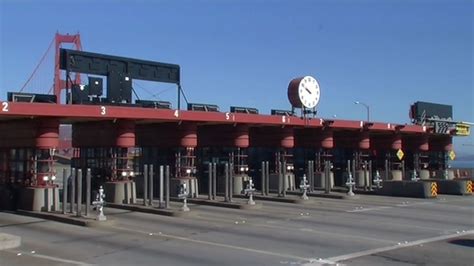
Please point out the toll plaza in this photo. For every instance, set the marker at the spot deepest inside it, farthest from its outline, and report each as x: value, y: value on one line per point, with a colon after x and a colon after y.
x: 136, y: 150
x: 85, y: 156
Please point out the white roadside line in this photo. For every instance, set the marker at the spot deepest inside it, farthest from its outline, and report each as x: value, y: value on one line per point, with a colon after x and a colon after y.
x: 371, y: 209
x: 334, y: 260
x: 36, y: 255
x: 263, y: 252
x: 415, y: 204
x: 403, y: 205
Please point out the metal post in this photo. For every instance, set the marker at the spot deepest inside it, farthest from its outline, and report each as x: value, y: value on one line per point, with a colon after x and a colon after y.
x: 145, y: 184
x: 267, y: 176
x: 403, y: 170
x: 210, y: 175
x: 353, y: 168
x: 365, y: 176
x: 284, y: 179
x: 226, y: 194
x: 65, y: 182
x: 280, y: 179
x: 386, y: 169
x: 370, y: 175
x: 327, y: 177
x: 311, y: 176
x: 308, y: 174
x: 150, y: 185
x: 263, y: 178
x: 231, y: 181
x: 214, y: 181
x: 79, y: 192
x: 73, y: 189
x: 167, y: 186
x: 162, y: 172
x: 88, y: 191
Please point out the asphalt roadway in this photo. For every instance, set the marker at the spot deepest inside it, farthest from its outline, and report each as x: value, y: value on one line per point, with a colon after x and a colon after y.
x: 371, y: 230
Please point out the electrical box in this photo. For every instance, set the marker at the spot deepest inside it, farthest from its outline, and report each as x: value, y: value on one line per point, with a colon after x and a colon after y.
x: 80, y: 94
x: 119, y: 88
x: 95, y: 86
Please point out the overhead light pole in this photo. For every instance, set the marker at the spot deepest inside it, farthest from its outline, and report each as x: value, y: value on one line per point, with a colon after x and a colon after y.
x: 366, y: 107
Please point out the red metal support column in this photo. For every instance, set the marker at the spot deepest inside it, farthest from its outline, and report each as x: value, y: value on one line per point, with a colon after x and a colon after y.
x: 60, y: 84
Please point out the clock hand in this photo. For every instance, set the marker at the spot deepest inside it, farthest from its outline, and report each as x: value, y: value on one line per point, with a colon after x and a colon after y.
x: 308, y: 91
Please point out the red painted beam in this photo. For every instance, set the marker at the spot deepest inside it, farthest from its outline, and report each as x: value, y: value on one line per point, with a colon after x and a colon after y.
x: 72, y: 113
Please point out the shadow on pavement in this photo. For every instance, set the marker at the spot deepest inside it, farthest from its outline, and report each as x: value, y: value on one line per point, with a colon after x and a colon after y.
x: 463, y: 242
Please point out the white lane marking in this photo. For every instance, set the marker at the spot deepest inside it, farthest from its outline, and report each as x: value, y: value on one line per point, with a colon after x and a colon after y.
x: 403, y: 205
x: 414, y: 204
x: 333, y: 260
x: 36, y: 255
x: 273, y: 225
x: 264, y: 252
x: 370, y: 209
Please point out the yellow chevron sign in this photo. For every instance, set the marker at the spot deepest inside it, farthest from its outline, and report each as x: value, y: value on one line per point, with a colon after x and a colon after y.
x: 434, y: 189
x: 400, y: 154
x: 469, y: 186
x: 452, y: 155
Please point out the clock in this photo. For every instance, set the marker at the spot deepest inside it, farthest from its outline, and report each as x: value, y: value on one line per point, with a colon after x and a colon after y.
x: 304, y: 92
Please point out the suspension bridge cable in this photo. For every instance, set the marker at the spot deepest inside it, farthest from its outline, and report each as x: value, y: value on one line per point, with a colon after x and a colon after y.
x: 184, y: 95
x: 39, y: 64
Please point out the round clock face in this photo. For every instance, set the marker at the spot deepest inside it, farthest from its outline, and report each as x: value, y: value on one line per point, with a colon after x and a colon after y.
x: 308, y: 92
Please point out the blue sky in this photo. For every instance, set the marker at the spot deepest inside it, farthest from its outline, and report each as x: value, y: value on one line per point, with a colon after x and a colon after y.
x: 387, y: 54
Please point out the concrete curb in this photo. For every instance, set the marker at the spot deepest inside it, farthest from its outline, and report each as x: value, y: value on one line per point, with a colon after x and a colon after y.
x: 231, y: 205
x: 356, y: 191
x: 290, y: 200
x: 148, y: 209
x: 61, y: 218
x: 405, y: 188
x: 8, y: 241
x: 332, y: 195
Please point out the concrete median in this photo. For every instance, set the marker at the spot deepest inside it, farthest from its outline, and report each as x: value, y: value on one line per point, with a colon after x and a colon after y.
x: 414, y: 189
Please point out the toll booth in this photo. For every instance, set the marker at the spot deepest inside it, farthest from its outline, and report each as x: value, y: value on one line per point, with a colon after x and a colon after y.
x: 172, y: 144
x: 441, y: 147
x: 225, y: 144
x: 27, y: 174
x: 316, y: 147
x: 108, y: 149
x: 275, y: 145
x: 353, y: 147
